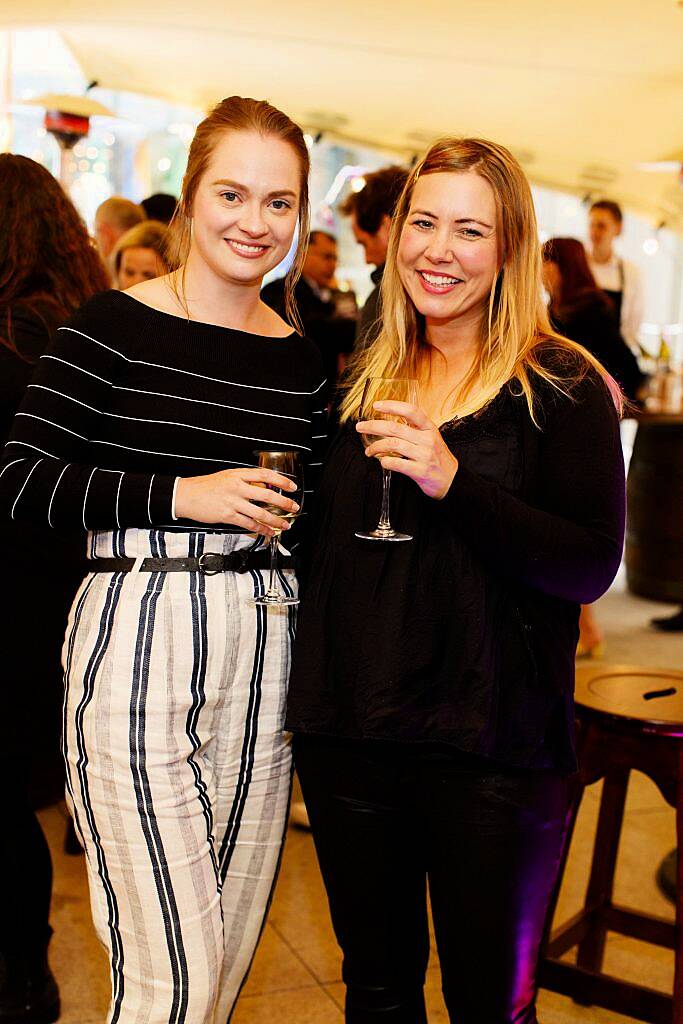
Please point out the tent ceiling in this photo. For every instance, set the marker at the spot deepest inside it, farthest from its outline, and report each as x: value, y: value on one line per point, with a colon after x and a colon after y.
x: 582, y: 92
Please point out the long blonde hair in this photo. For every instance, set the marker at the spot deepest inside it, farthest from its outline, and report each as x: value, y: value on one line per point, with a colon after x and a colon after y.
x: 517, y: 328
x: 238, y: 114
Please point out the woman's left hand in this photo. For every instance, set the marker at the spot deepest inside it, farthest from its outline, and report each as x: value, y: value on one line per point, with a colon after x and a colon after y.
x: 414, y: 447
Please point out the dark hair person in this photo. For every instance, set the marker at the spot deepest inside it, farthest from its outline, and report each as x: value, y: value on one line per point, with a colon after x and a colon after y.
x: 143, y: 431
x: 432, y: 680
x: 371, y: 210
x: 48, y: 267
x: 583, y: 312
x: 161, y: 206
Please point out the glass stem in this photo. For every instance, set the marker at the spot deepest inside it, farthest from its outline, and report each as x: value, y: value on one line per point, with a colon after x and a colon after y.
x: 384, y: 523
x: 272, y: 591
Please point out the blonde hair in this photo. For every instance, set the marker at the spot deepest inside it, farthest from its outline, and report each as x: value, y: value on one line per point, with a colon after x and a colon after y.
x: 150, y: 234
x: 239, y: 114
x: 517, y: 329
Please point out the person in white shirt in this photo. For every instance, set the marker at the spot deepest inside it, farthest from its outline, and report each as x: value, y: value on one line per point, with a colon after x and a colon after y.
x: 618, y: 277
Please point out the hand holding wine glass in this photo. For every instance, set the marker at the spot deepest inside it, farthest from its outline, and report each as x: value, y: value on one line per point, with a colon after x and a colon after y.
x: 406, y: 441
x: 289, y: 466
x: 232, y: 497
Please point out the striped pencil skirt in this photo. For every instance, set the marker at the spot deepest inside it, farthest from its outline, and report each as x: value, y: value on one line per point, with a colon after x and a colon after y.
x: 178, y: 771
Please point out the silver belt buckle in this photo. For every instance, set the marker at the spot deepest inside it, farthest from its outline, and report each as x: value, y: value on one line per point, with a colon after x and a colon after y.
x: 210, y: 563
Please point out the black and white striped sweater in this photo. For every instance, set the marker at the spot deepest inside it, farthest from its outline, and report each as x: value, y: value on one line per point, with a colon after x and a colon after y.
x: 127, y: 398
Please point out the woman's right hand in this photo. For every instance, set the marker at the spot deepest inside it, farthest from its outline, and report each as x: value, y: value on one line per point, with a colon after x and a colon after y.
x: 231, y: 497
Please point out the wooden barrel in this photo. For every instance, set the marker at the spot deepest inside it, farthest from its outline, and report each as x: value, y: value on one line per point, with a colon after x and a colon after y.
x: 654, y: 531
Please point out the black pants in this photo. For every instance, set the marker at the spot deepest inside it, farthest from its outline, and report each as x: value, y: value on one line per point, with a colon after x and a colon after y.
x: 25, y: 871
x: 31, y: 695
x: 387, y: 820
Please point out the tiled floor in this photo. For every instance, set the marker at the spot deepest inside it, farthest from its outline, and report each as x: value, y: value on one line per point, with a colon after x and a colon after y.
x: 295, y: 976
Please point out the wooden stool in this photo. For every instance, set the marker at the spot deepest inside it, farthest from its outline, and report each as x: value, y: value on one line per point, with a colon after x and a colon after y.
x: 627, y: 718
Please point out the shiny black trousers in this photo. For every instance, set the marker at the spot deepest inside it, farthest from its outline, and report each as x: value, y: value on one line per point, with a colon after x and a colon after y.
x: 390, y: 819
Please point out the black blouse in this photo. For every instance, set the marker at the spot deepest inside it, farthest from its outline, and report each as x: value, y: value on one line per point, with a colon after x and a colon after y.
x: 465, y: 635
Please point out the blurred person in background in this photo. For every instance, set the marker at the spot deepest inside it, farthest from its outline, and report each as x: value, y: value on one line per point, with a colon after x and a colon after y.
x: 315, y: 299
x: 48, y: 267
x: 113, y: 218
x: 619, y: 278
x: 583, y: 312
x: 140, y: 254
x: 160, y: 206
x: 370, y: 211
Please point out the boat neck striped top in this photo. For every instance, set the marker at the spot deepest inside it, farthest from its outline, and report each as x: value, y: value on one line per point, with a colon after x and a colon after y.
x: 128, y: 398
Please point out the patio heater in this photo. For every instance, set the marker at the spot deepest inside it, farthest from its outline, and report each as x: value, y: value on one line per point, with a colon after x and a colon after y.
x: 67, y: 118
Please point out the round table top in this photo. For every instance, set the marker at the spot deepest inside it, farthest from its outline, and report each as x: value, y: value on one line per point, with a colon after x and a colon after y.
x: 633, y: 692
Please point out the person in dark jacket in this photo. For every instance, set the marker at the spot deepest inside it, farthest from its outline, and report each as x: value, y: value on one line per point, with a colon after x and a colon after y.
x: 314, y: 294
x: 431, y: 694
x: 370, y: 211
x: 48, y: 267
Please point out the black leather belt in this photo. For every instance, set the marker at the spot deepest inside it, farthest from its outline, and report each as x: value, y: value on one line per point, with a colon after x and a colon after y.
x: 209, y: 564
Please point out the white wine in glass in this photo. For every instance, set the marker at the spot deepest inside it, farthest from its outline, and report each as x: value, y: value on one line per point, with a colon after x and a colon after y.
x: 384, y: 389
x: 286, y: 464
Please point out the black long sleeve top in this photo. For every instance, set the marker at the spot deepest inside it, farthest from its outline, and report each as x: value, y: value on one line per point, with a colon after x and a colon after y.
x: 465, y: 635
x: 127, y: 398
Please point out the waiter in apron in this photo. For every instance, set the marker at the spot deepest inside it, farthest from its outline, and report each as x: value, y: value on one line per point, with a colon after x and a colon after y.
x: 619, y: 278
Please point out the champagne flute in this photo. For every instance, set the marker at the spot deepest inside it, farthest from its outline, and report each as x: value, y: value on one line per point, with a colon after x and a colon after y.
x: 378, y: 389
x: 287, y: 464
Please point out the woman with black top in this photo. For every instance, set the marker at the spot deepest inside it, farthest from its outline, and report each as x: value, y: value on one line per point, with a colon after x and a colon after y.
x: 584, y: 312
x: 141, y: 427
x: 48, y: 267
x: 431, y: 689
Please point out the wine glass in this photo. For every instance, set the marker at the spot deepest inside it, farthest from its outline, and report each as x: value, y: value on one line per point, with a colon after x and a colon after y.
x: 378, y: 389
x: 287, y: 464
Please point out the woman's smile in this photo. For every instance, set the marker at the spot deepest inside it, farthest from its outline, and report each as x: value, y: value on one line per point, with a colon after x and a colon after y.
x: 438, y: 284
x: 249, y: 250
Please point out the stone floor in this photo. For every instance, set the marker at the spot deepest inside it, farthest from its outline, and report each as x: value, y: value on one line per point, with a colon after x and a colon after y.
x: 295, y: 976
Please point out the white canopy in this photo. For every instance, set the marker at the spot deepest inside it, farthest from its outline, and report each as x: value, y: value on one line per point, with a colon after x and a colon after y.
x: 582, y: 92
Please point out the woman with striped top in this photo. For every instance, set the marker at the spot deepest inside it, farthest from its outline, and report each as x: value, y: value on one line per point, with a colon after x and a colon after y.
x: 140, y: 427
